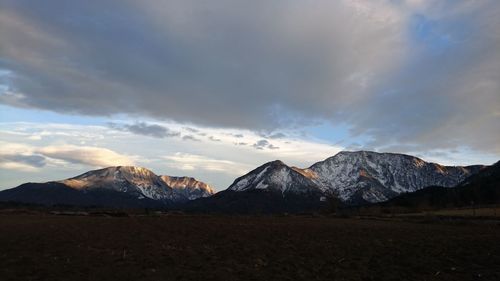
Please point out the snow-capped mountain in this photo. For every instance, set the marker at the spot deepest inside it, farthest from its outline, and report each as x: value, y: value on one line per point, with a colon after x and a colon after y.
x: 376, y: 177
x: 271, y: 188
x: 479, y: 189
x: 275, y: 176
x: 188, y: 187
x: 120, y: 186
x: 136, y: 181
x: 141, y: 182
x: 355, y: 176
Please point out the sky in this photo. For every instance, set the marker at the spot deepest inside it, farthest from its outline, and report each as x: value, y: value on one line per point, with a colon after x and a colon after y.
x: 213, y: 89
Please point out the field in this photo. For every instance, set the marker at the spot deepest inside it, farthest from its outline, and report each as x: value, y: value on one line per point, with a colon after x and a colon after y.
x: 469, y: 212
x: 487, y: 212
x: 179, y: 247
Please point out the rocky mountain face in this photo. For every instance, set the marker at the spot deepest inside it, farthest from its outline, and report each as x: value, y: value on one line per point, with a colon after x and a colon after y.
x: 479, y: 189
x: 188, y: 187
x: 375, y: 177
x: 271, y: 188
x: 127, y: 184
x: 278, y: 177
x: 355, y: 177
x: 136, y: 181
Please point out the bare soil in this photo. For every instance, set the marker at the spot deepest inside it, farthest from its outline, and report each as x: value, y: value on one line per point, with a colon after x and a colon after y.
x: 181, y: 247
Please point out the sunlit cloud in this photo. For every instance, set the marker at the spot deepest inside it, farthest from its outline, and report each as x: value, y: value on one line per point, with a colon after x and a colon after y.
x: 191, y: 162
x: 92, y: 156
x: 29, y: 158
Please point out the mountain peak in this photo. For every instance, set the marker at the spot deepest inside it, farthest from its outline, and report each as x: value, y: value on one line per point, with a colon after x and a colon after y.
x: 374, y: 177
x: 139, y: 181
x: 274, y: 176
x: 142, y: 182
x: 275, y: 163
x: 116, y: 171
x: 132, y: 170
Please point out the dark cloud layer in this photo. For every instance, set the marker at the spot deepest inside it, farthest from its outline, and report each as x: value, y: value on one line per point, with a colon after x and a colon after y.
x: 426, y: 77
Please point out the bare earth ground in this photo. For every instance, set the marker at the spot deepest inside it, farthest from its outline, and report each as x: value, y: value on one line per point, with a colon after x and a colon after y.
x: 49, y: 247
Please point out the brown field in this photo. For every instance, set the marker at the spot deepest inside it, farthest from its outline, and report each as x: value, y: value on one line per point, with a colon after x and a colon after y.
x: 474, y: 214
x: 469, y: 212
x: 178, y: 247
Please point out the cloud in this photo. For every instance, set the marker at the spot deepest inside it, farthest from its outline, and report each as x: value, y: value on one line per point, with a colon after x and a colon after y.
x: 192, y: 130
x: 32, y: 160
x: 17, y: 166
x: 191, y: 162
x: 29, y: 158
x: 446, y: 93
x: 285, y: 61
x: 142, y: 128
x: 270, y: 146
x: 276, y: 136
x: 21, y: 162
x: 215, y: 162
x: 92, y: 156
x: 262, y: 144
x: 190, y: 138
x: 412, y: 72
x: 19, y: 157
x: 212, y: 138
x: 273, y: 135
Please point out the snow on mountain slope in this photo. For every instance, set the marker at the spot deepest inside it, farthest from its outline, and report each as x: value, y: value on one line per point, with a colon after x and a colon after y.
x: 275, y: 176
x: 188, y: 187
x: 141, y: 183
x: 376, y: 177
x: 355, y: 177
x: 134, y: 180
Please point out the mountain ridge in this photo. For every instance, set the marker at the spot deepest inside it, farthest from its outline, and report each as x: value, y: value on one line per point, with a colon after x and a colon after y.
x: 130, y: 184
x: 374, y: 177
x: 478, y: 189
x: 354, y: 177
x: 357, y: 177
x: 274, y: 175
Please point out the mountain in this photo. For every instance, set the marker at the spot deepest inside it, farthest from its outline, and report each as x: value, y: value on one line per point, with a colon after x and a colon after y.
x: 136, y: 181
x: 278, y: 177
x: 355, y: 178
x: 188, y: 187
x: 120, y: 186
x: 365, y: 176
x: 482, y: 188
x: 56, y: 193
x: 271, y: 188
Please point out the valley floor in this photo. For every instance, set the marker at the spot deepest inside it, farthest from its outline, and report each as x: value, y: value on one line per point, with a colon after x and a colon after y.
x: 177, y: 247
